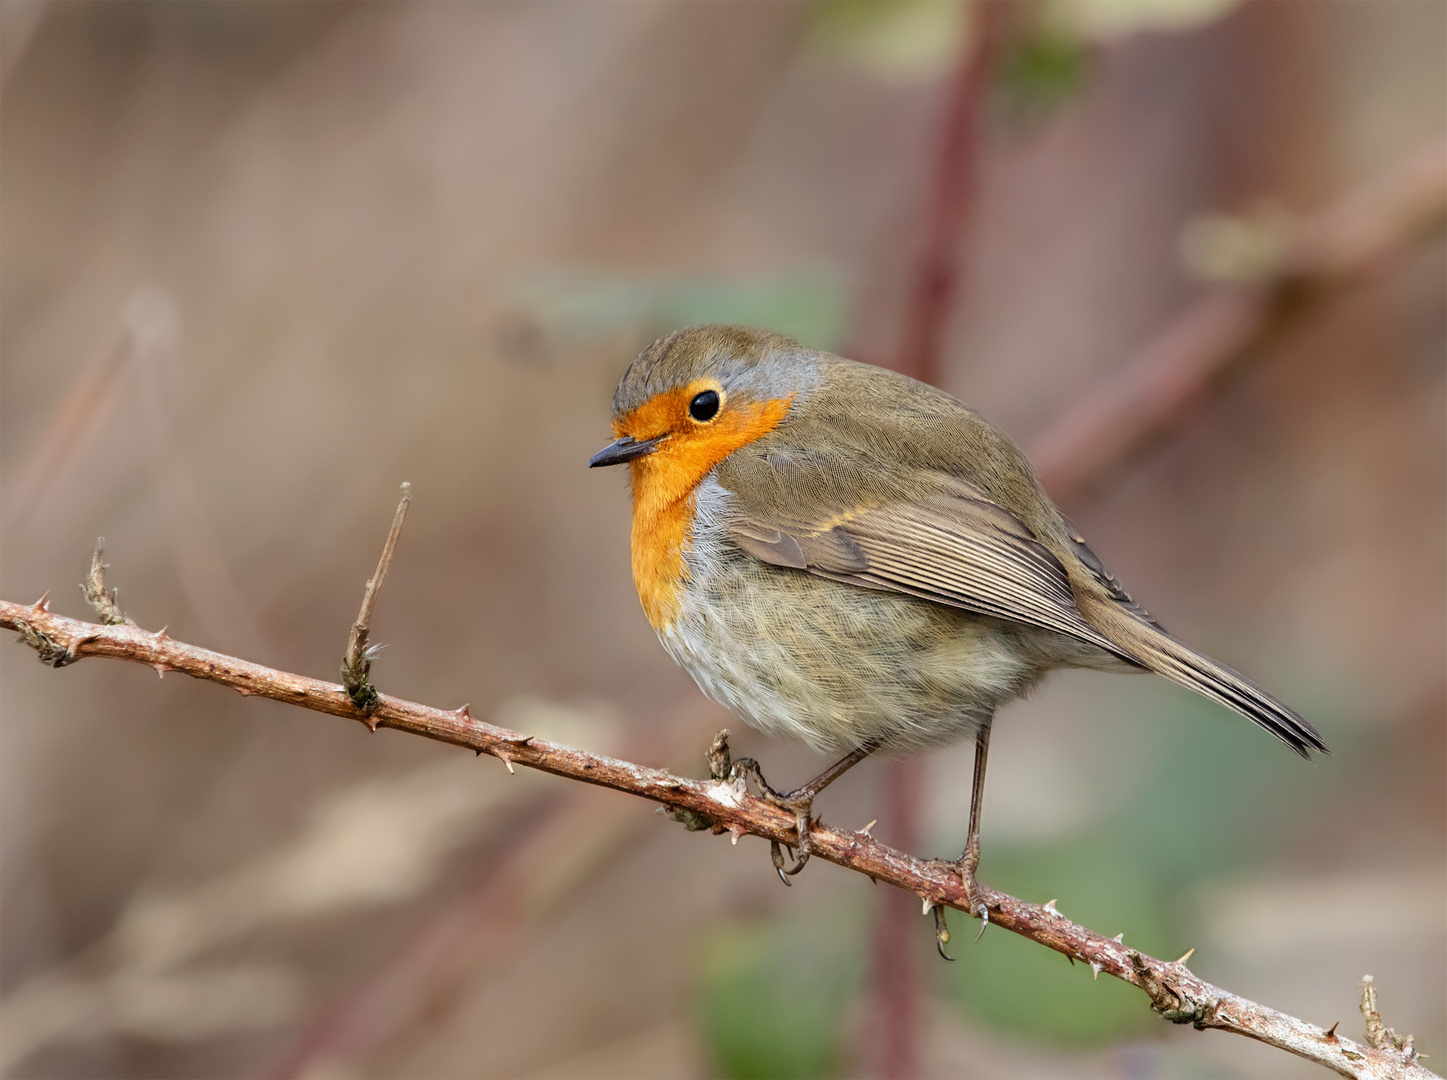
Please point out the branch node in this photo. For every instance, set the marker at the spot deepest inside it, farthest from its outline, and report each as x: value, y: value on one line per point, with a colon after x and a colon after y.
x: 691, y: 820
x: 52, y: 653
x: 93, y: 588
x: 1172, y: 1003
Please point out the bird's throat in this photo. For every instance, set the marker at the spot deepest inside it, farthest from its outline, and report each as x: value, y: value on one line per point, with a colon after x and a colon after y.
x: 665, y: 498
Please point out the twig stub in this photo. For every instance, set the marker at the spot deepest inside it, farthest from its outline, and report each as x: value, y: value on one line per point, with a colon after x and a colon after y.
x: 95, y: 592
x: 357, y: 663
x: 1378, y: 1034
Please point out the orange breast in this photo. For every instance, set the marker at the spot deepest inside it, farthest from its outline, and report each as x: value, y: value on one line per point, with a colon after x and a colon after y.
x: 664, y: 483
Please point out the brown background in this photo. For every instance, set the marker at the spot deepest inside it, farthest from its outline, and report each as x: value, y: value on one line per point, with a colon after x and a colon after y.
x: 260, y: 263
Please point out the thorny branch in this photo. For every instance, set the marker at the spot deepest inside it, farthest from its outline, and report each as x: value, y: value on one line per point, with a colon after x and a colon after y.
x: 726, y: 807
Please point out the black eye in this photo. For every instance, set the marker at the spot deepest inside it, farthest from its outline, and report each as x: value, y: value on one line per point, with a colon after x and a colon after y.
x: 704, y: 406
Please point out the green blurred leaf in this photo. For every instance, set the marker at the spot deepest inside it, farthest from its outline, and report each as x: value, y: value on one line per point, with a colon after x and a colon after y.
x: 808, y: 308
x: 1040, y: 71
x: 892, y: 39
x: 571, y: 308
x: 1213, y: 791
x: 1015, y: 985
x: 772, y: 995
x: 1109, y: 20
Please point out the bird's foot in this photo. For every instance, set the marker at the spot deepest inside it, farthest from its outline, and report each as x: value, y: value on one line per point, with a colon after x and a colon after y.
x: 965, y: 866
x: 798, y: 802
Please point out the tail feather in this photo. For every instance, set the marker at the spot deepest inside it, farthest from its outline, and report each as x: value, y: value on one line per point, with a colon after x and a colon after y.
x: 1221, y: 684
x: 1163, y: 654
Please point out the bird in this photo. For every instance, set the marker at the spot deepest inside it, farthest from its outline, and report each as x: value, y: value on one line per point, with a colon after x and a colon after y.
x: 840, y: 554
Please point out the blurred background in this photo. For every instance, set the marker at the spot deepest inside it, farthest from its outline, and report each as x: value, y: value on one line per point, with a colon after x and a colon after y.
x: 260, y: 263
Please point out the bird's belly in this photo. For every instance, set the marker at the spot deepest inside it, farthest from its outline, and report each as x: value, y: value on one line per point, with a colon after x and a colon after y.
x: 836, y: 665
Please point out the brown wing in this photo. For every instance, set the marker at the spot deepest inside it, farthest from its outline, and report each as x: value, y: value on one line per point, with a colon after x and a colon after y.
x: 953, y: 546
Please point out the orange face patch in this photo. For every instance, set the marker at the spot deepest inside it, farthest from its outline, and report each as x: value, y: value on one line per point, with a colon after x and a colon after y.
x: 664, y: 481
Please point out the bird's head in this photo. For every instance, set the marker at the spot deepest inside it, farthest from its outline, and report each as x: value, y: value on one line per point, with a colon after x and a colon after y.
x: 696, y: 396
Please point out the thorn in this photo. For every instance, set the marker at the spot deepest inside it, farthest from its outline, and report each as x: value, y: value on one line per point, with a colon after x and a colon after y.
x: 43, y: 604
x: 734, y: 833
x: 243, y: 691
x: 160, y: 670
x: 928, y: 903
x: 1119, y: 938
x: 865, y: 831
x: 161, y: 635
x: 1050, y: 906
x: 524, y: 740
x: 508, y: 762
x: 479, y: 753
x: 984, y: 922
x: 1330, y: 1035
x: 1094, y: 970
x: 462, y: 713
x: 372, y: 722
x: 1189, y: 952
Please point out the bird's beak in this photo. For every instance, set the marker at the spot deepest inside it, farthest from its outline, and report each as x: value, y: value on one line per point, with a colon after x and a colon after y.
x: 625, y: 449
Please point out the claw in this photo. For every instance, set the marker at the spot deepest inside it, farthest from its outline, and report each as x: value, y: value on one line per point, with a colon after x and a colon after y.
x: 776, y: 854
x: 746, y: 769
x: 942, y: 933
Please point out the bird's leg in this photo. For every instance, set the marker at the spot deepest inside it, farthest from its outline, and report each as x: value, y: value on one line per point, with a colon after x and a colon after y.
x: 969, y: 860
x: 800, y: 801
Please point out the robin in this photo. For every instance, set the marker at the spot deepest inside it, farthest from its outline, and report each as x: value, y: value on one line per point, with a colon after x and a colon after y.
x: 840, y: 554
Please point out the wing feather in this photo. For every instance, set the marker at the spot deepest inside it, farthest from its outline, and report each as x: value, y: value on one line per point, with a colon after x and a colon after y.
x: 952, y: 545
